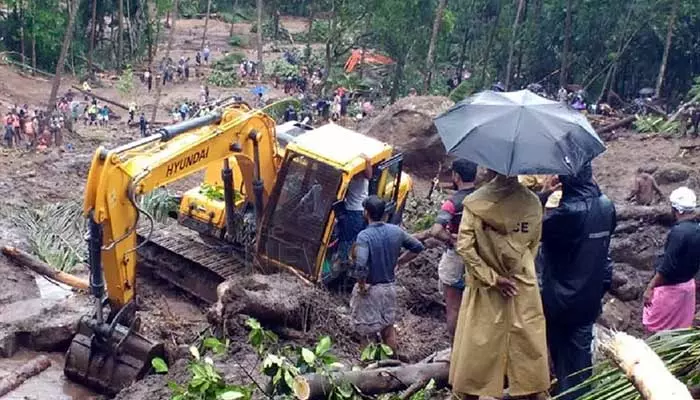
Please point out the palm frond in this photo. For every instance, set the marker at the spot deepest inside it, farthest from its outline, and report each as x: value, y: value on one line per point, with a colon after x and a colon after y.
x: 54, y: 233
x: 679, y: 350
x: 160, y: 203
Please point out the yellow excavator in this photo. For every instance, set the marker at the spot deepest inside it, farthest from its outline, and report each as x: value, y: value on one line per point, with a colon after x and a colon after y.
x: 269, y: 198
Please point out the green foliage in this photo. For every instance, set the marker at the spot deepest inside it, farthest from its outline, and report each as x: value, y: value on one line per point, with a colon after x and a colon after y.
x: 319, y: 32
x: 280, y: 67
x: 261, y: 339
x: 54, y: 232
x: 125, y: 84
x: 159, y: 365
x: 237, y: 41
x: 426, y: 392
x: 426, y: 221
x: 160, y: 203
x: 376, y: 351
x: 212, y: 192
x: 654, y: 124
x: 695, y: 89
x: 225, y: 70
x: 223, y: 78
x: 205, y: 382
x: 285, y: 365
x: 464, y: 90
x: 679, y: 350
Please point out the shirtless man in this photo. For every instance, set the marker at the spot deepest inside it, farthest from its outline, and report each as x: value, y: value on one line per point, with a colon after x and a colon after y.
x: 646, y: 191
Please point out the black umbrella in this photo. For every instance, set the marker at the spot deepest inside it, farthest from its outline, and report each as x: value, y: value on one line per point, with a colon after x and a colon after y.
x: 516, y: 133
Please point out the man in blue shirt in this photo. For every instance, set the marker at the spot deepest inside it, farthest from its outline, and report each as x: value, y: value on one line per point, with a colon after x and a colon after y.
x: 377, y: 252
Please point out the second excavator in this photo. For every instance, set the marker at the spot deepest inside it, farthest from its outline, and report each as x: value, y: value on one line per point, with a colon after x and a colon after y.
x: 264, y: 201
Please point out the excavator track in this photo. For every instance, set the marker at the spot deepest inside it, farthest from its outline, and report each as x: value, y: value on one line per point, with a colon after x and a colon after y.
x: 182, y: 257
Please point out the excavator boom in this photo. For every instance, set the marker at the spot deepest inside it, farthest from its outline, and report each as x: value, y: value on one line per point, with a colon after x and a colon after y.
x: 108, y: 353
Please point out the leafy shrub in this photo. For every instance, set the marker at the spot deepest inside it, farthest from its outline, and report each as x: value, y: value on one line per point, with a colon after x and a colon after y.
x: 237, y: 41
x: 206, y: 383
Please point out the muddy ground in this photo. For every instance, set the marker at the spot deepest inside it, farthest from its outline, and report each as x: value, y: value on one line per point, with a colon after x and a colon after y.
x: 29, y: 179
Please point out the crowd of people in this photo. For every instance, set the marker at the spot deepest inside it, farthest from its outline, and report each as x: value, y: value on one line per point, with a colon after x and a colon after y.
x: 37, y: 129
x: 523, y: 275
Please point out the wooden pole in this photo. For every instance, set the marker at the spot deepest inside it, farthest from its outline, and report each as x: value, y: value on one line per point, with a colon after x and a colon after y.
x: 27, y: 260
x: 106, y: 100
x: 32, y: 368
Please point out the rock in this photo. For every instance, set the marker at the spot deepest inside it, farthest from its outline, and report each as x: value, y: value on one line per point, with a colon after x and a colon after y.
x: 619, y: 278
x: 628, y: 251
x: 408, y: 125
x: 672, y: 173
x: 16, y: 284
x: 616, y: 315
x: 649, y: 168
x: 627, y: 292
x: 40, y: 324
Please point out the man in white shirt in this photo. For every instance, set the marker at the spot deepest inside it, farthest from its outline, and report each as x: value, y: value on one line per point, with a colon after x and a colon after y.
x: 352, y: 220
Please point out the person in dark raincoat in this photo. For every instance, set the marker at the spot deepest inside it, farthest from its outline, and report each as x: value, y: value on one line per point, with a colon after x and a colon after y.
x: 576, y: 273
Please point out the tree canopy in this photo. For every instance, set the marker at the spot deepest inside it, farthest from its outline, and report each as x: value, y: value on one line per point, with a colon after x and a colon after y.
x: 602, y: 46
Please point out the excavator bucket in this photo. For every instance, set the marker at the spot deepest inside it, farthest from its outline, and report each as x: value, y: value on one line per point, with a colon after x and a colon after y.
x: 108, y: 358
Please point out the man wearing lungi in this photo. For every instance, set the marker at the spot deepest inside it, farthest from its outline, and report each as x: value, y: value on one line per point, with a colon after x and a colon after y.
x: 377, y: 249
x: 669, y: 300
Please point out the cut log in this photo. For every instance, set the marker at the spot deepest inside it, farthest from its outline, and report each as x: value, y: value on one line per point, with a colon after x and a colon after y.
x: 106, y: 100
x: 27, y: 260
x: 615, y: 125
x: 643, y: 368
x: 650, y: 214
x: 384, y: 380
x: 33, y: 367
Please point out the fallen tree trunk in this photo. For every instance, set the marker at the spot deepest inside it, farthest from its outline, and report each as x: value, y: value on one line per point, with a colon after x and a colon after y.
x: 651, y: 214
x: 31, y: 368
x: 644, y: 368
x: 384, y: 379
x: 615, y: 125
x: 27, y: 260
x: 106, y: 100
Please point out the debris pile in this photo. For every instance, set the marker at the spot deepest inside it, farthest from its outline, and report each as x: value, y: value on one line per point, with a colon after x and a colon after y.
x: 408, y: 125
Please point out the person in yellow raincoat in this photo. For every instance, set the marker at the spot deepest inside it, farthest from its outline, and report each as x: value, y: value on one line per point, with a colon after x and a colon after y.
x: 501, y: 328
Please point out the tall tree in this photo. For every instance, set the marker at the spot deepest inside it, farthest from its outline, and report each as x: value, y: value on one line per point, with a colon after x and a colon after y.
x: 513, y: 36
x: 259, y: 5
x: 21, y: 30
x: 667, y: 46
x: 168, y: 48
x: 206, y: 24
x: 33, y: 37
x: 234, y: 13
x: 564, y: 70
x: 431, y: 47
x: 120, y: 34
x: 93, y: 28
x: 64, y: 51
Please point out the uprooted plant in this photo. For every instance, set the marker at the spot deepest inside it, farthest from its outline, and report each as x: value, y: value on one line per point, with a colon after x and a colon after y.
x: 285, y: 365
x: 206, y: 383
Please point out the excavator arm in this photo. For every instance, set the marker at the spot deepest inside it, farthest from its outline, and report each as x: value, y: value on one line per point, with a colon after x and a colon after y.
x: 117, y: 177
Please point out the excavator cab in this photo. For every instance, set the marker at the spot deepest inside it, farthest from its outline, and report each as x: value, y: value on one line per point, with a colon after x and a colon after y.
x: 297, y: 226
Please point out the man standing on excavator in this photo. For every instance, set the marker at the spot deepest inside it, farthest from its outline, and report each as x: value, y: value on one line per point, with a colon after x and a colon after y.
x: 351, y: 221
